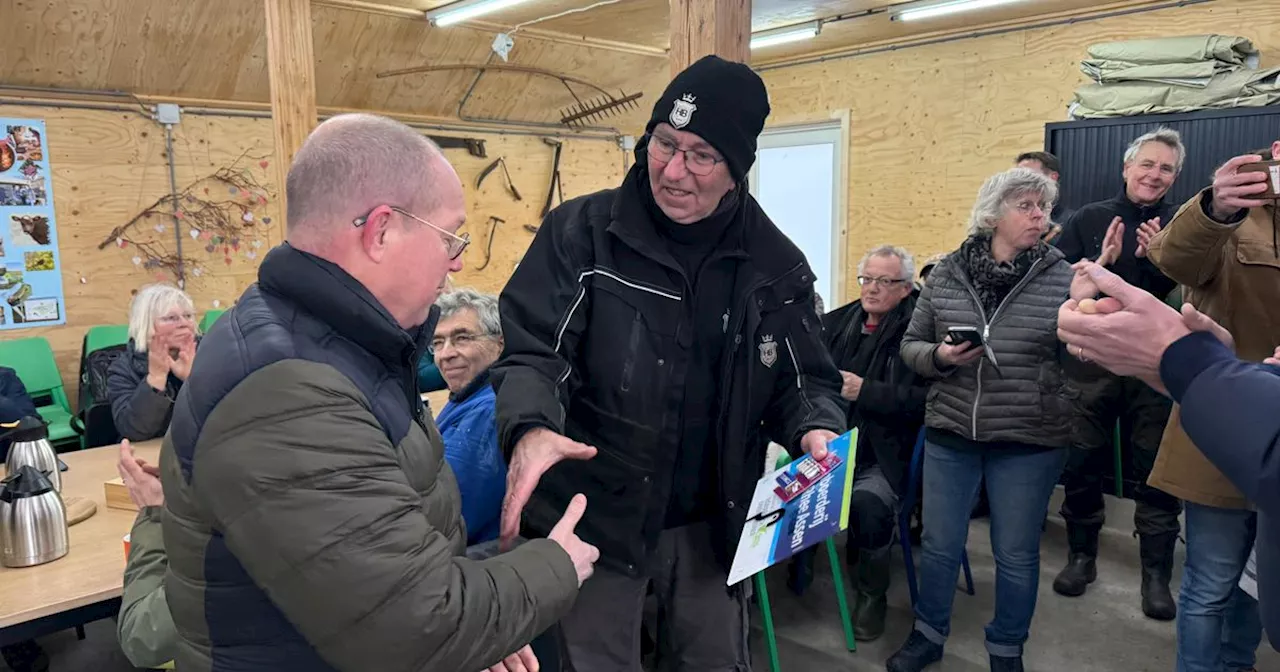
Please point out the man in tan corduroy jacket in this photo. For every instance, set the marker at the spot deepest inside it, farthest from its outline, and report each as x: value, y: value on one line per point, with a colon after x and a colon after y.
x: 1223, y: 247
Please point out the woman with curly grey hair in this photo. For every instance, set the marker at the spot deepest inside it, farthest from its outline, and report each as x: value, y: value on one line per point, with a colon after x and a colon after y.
x: 1001, y: 410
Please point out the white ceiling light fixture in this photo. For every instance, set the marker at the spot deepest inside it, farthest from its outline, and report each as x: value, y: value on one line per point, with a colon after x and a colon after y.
x: 465, y: 10
x: 932, y: 10
x: 785, y: 34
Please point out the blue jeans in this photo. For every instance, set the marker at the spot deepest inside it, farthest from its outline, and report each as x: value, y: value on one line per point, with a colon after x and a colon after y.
x: 1018, y: 488
x: 1219, y: 628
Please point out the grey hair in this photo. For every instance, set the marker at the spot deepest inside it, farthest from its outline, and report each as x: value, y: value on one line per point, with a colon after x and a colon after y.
x: 353, y: 163
x: 1163, y: 135
x: 150, y: 304
x: 485, y: 305
x: 908, y: 261
x: 1000, y: 188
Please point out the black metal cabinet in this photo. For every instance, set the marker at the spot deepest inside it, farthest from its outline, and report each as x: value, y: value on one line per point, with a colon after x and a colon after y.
x: 1092, y: 151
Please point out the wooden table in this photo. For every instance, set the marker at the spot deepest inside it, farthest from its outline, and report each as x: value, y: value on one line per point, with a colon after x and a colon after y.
x: 86, y: 583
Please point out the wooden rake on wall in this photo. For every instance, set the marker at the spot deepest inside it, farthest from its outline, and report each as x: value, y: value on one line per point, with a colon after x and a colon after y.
x: 583, y: 114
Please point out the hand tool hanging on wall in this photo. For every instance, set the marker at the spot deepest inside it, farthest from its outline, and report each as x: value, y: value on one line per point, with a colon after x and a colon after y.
x: 511, y: 186
x: 555, y: 187
x: 474, y: 146
x: 576, y: 116
x: 488, y: 245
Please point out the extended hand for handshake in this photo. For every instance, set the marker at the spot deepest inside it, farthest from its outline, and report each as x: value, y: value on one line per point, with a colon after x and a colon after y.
x: 1128, y: 330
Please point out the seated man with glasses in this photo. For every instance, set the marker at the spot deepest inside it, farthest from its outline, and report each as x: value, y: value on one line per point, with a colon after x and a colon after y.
x: 468, y: 340
x: 886, y: 403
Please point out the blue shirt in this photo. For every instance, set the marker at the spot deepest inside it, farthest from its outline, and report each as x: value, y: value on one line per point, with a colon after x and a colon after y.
x: 470, y: 434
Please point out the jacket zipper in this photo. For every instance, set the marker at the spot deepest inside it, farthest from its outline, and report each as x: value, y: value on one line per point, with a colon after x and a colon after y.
x: 633, y: 345
x: 986, y: 334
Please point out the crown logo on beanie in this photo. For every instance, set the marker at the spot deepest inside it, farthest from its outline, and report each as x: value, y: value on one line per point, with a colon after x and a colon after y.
x: 682, y: 111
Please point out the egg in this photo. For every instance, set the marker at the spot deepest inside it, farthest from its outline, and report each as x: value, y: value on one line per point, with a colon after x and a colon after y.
x: 1088, y: 306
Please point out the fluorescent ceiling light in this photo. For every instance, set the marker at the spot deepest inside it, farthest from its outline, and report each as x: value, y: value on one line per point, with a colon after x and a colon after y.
x: 465, y: 10
x: 785, y: 34
x: 936, y: 9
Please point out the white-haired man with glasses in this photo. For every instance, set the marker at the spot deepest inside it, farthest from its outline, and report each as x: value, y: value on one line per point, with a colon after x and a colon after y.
x: 885, y: 401
x: 658, y: 335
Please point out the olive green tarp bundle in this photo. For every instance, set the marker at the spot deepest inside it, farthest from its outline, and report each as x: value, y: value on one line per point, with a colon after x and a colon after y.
x: 1176, y: 74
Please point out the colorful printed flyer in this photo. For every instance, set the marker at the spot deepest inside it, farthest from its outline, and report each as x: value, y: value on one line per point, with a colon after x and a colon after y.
x: 30, y: 270
x: 777, y: 530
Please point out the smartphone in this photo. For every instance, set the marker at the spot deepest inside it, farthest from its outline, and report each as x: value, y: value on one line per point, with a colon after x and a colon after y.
x: 970, y: 335
x: 1272, y: 169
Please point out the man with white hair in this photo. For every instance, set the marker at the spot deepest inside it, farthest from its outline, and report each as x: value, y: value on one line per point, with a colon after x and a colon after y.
x: 886, y: 403
x: 310, y: 519
x: 1151, y: 164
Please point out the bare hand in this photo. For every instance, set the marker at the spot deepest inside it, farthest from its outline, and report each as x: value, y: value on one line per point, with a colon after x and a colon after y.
x: 536, y: 452
x: 1112, y: 243
x: 582, y: 554
x: 181, y: 367
x: 158, y: 361
x: 957, y: 355
x: 1274, y: 359
x: 140, y: 478
x: 814, y: 443
x: 852, y: 386
x: 1232, y: 189
x: 1126, y: 333
x: 1146, y: 231
x: 1198, y: 321
x: 520, y: 661
x: 1051, y: 234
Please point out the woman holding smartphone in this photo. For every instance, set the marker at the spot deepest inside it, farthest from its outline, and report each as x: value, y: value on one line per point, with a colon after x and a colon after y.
x: 985, y: 332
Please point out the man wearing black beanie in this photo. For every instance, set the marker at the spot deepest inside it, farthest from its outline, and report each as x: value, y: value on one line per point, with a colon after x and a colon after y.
x: 658, y: 336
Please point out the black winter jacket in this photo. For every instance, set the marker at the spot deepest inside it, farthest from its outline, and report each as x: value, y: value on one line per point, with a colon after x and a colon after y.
x: 598, y: 342
x: 890, y: 407
x: 1083, y: 232
x: 1028, y: 400
x: 140, y: 411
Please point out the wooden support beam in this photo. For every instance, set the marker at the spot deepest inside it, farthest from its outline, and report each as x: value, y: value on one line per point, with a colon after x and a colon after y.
x: 291, y: 65
x: 702, y: 27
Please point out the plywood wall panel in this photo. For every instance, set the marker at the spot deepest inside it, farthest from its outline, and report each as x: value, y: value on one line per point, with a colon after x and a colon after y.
x: 107, y: 166
x: 929, y: 124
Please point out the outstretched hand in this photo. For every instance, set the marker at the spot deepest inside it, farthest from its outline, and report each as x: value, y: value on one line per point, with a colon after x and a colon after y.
x: 536, y: 452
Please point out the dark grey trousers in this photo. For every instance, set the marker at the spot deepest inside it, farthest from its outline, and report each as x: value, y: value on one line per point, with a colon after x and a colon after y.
x: 702, y: 624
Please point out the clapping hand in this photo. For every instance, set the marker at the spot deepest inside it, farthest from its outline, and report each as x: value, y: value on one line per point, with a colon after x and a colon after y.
x: 1146, y: 231
x: 1112, y: 243
x: 1274, y: 359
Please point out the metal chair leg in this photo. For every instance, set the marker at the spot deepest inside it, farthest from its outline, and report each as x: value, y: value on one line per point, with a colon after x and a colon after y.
x: 837, y: 576
x: 770, y: 638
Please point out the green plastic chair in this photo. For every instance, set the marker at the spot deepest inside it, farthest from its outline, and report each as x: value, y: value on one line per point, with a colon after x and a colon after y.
x: 837, y: 576
x: 105, y: 336
x: 209, y: 318
x: 32, y: 359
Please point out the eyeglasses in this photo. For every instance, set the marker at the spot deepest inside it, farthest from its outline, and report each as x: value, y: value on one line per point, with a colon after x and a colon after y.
x: 1027, y: 207
x: 462, y: 339
x: 453, y: 243
x: 864, y: 280
x: 174, y: 319
x: 699, y: 162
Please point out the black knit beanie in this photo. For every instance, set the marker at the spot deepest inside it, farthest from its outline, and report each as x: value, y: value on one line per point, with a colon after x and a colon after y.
x: 722, y: 102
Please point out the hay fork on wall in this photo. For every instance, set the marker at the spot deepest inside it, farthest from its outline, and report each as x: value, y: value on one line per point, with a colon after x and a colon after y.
x: 601, y: 105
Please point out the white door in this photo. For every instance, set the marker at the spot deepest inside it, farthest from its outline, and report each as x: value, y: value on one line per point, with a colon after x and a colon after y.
x: 797, y: 180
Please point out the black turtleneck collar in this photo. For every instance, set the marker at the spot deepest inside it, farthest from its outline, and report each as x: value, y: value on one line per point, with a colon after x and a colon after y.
x: 703, y: 234
x: 478, y: 383
x: 322, y: 288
